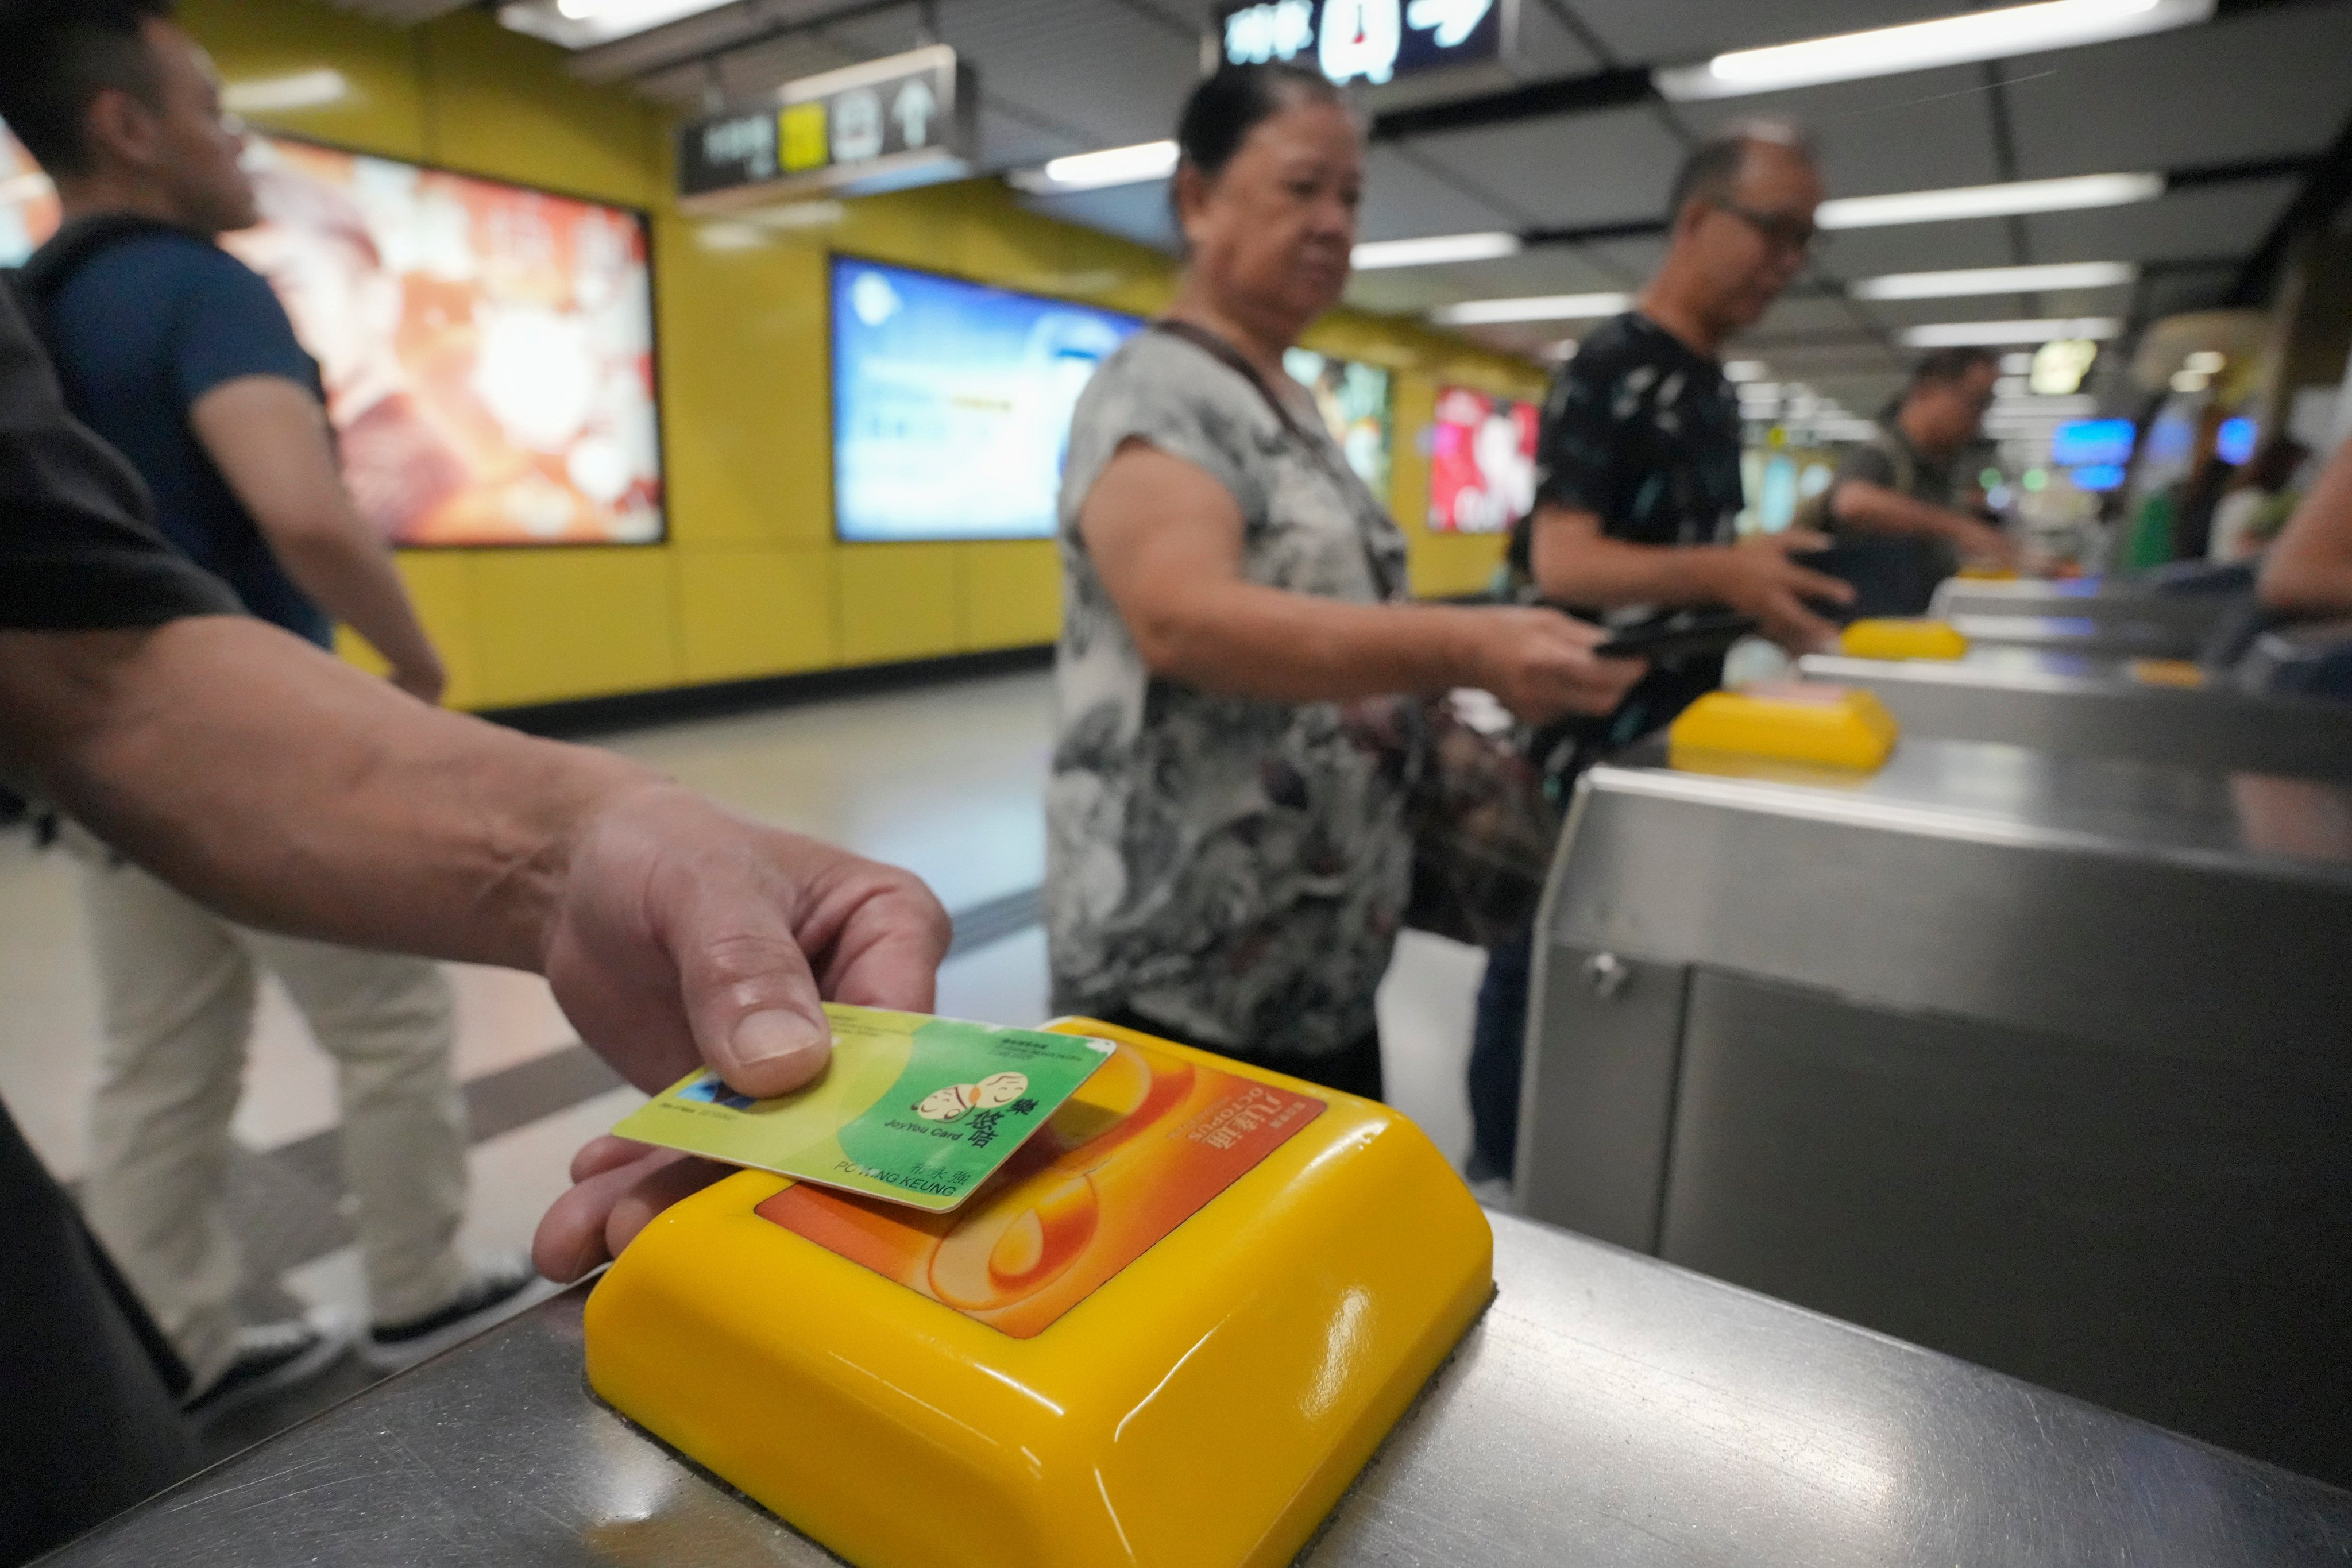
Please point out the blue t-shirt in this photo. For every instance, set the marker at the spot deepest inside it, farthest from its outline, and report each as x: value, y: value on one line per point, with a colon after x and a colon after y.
x: 140, y: 330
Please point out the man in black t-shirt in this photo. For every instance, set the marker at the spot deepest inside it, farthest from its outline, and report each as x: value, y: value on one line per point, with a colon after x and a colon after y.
x: 134, y: 694
x: 1637, y: 486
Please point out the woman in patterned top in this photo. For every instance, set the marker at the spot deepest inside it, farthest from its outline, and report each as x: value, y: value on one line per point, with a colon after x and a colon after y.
x: 1226, y: 859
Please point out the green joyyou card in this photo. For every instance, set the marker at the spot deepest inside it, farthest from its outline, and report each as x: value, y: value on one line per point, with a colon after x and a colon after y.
x: 914, y: 1109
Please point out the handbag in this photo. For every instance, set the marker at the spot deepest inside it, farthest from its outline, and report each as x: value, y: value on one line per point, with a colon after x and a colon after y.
x: 1482, y: 815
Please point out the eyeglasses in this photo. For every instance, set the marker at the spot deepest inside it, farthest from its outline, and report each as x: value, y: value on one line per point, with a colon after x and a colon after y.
x: 1780, y: 231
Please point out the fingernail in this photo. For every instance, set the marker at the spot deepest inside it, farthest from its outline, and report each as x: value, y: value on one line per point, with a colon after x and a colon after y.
x: 776, y: 1037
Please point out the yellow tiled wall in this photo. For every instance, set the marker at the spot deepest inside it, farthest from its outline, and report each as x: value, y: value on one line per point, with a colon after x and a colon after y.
x: 750, y: 580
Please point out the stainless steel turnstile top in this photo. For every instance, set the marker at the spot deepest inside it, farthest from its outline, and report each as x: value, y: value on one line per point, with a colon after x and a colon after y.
x: 1610, y: 1410
x: 2082, y: 616
x: 2069, y: 704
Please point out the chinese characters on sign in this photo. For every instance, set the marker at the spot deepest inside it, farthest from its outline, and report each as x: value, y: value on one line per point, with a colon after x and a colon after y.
x: 902, y: 121
x: 1373, y: 41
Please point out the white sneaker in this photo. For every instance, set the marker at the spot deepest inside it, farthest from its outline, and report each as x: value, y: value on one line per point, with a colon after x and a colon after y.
x: 492, y: 1293
x: 270, y: 1359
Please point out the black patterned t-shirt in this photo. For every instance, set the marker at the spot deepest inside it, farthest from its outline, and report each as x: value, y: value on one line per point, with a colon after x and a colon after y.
x: 1643, y: 431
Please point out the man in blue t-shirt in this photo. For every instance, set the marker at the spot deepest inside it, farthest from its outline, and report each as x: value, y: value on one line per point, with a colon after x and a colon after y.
x: 183, y: 359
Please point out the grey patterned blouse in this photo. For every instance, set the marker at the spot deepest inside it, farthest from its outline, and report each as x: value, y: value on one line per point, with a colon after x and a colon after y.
x: 1232, y: 867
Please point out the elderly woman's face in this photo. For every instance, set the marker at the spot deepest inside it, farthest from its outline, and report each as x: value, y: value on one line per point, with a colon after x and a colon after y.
x: 1272, y: 234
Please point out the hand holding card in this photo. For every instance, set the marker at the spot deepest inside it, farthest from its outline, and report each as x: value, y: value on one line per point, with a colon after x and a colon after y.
x: 915, y: 1109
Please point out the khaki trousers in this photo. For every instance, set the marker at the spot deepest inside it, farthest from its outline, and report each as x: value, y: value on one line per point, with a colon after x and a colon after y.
x: 178, y: 986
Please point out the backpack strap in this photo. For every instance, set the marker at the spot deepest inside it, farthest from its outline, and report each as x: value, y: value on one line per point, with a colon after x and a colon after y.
x: 64, y: 253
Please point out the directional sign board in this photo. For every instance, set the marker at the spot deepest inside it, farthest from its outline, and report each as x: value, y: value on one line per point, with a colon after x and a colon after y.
x: 1372, y: 41
x: 904, y: 121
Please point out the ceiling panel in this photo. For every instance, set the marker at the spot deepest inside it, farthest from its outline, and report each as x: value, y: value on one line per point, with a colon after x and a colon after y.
x: 1133, y: 212
x: 1646, y: 32
x: 1547, y: 47
x: 2268, y: 84
x: 1579, y: 169
x: 1632, y: 260
x: 2211, y: 220
x: 1404, y: 199
x: 1921, y: 247
x: 1910, y: 132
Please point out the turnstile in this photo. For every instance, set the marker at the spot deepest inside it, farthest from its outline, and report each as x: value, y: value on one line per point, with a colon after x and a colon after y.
x: 2104, y: 708
x: 1610, y: 1412
x: 2091, y: 615
x: 2043, y: 1061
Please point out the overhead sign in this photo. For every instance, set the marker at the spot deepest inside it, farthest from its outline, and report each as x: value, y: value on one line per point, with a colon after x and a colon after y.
x: 903, y: 120
x: 1371, y: 41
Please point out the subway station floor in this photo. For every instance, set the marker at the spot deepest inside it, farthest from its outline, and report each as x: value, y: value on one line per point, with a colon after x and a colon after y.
x: 945, y: 780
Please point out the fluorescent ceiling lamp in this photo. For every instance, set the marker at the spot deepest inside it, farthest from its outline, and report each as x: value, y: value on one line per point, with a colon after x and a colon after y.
x: 581, y: 24
x: 1916, y: 46
x: 1534, y: 307
x: 1096, y: 171
x: 1989, y: 201
x: 1957, y: 335
x: 1746, y: 370
x: 1994, y: 280
x: 278, y: 94
x: 1437, y: 250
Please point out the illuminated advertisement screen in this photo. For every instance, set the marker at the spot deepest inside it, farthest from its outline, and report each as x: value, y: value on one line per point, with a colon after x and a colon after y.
x: 488, y: 349
x: 951, y: 403
x: 1354, y: 401
x: 1482, y: 462
x: 2097, y: 443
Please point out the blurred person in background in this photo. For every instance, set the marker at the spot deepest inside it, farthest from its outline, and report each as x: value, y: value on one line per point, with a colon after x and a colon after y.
x: 255, y: 773
x: 2308, y: 571
x: 1226, y: 858
x: 1898, y: 506
x: 182, y: 358
x: 1637, y: 487
x: 2257, y: 504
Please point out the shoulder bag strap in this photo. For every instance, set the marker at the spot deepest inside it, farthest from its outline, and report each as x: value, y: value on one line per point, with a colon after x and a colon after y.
x: 1316, y: 441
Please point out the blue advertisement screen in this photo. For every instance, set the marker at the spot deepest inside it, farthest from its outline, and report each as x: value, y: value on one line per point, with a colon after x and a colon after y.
x: 951, y: 403
x: 2091, y: 441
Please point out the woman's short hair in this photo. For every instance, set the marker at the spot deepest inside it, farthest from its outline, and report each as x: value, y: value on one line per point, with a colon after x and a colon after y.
x: 1224, y: 109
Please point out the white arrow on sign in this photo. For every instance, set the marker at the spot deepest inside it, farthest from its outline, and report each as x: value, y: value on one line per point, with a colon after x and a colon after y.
x: 914, y: 108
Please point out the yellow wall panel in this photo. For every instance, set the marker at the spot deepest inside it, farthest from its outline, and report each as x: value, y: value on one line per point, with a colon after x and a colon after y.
x: 747, y: 433
x: 898, y: 602
x: 748, y: 612
x: 575, y: 623
x: 503, y: 105
x: 1012, y: 594
x: 383, y: 109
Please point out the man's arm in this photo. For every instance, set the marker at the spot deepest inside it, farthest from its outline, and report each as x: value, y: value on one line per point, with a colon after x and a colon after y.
x: 1880, y: 508
x: 269, y: 438
x: 2308, y: 571
x: 279, y: 785
x: 1575, y: 563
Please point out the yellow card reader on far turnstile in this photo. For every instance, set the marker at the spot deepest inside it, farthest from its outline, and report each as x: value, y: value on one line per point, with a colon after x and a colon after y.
x: 1170, y: 1329
x: 1898, y: 637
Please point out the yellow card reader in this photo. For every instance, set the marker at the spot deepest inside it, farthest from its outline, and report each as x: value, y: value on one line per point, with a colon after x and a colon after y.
x: 1170, y: 1329
x: 1892, y: 638
x: 1820, y: 726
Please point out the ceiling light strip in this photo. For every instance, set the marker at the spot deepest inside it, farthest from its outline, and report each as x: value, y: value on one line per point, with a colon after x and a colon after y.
x: 1995, y: 280
x: 2017, y: 196
x: 1920, y: 46
x: 1533, y: 307
x: 1986, y: 334
x: 1436, y: 250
